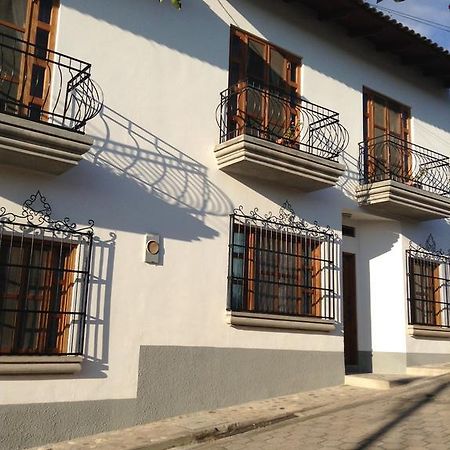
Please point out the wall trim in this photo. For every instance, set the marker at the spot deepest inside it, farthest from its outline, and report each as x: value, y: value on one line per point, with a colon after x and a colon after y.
x: 259, y: 320
x: 36, y: 365
x: 430, y: 331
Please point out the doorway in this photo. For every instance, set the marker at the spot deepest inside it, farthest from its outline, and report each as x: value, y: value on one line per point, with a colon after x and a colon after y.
x: 349, y: 306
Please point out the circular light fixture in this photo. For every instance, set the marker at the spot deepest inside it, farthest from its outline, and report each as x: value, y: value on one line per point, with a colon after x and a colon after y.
x: 153, y: 247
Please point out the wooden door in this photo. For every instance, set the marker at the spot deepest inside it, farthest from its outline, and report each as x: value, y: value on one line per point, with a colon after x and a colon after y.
x: 350, y: 313
x: 265, y: 83
x: 386, y: 128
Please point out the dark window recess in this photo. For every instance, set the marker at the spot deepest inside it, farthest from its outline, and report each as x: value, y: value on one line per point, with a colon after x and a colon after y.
x: 45, y: 11
x: 35, y: 112
x: 37, y: 81
x: 281, y: 266
x: 348, y: 231
x: 41, y: 43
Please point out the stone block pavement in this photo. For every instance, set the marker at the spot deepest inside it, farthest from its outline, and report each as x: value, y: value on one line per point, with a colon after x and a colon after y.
x: 343, y: 417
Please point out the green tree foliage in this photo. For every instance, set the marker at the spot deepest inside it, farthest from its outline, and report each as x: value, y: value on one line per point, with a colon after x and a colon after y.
x: 176, y: 3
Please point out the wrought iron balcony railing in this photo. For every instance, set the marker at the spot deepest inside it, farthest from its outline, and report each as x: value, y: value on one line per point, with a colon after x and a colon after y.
x: 45, y: 86
x: 388, y: 157
x: 280, y: 117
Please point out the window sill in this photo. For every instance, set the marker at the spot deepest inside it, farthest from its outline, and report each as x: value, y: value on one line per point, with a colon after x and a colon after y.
x: 248, y: 319
x: 429, y: 331
x: 39, y: 365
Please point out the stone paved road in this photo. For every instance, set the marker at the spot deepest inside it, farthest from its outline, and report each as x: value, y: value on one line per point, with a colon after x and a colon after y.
x: 410, y: 420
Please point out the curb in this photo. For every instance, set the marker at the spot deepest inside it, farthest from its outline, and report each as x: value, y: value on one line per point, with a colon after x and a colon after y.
x: 226, y: 429
x: 215, y: 433
x: 300, y: 415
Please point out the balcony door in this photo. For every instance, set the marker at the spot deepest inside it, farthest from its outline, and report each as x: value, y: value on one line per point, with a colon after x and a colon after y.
x: 27, y: 30
x: 265, y: 83
x: 386, y: 132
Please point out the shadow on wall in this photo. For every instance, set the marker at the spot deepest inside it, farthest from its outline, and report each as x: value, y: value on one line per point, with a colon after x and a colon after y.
x: 171, y: 28
x: 197, y: 31
x: 351, y: 181
x: 99, y: 308
x: 152, y: 185
x: 140, y: 184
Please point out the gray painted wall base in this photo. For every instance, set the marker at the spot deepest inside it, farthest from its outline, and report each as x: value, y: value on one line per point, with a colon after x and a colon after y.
x: 388, y: 362
x: 421, y: 359
x: 175, y: 380
x: 383, y: 362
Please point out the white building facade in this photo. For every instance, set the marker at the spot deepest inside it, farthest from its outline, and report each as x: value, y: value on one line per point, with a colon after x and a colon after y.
x: 190, y: 230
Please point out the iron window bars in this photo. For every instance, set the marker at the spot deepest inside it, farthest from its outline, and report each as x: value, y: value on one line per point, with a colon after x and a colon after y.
x: 44, y: 279
x: 389, y: 157
x: 280, y: 117
x: 281, y: 265
x: 428, y: 272
x: 46, y: 86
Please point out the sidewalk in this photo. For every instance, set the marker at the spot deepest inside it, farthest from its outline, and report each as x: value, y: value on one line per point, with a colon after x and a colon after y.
x: 210, y: 425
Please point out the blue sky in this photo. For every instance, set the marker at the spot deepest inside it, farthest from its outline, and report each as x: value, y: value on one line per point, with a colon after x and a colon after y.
x: 434, y: 10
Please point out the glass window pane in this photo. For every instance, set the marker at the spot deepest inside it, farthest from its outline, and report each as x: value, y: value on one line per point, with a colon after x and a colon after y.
x: 293, y: 72
x: 45, y: 10
x: 254, y: 103
x: 378, y: 114
x: 256, y: 61
x: 277, y: 70
x: 41, y: 43
x: 37, y: 81
x: 394, y: 122
x: 277, y: 117
x: 14, y: 12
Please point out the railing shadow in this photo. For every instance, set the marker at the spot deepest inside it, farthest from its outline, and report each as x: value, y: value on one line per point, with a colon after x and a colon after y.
x: 99, y: 308
x: 170, y: 191
x: 403, y: 415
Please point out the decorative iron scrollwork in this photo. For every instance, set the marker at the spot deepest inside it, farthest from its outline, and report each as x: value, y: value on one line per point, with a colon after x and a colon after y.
x: 428, y: 250
x: 37, y: 212
x: 285, y: 119
x: 287, y: 220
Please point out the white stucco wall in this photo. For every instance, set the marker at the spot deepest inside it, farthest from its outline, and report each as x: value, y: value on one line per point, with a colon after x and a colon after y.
x: 152, y: 169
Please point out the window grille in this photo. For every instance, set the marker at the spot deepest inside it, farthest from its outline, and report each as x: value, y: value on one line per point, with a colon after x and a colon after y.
x: 44, y: 279
x: 428, y: 271
x: 281, y: 265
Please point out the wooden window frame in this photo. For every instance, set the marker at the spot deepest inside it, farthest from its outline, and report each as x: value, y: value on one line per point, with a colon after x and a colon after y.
x: 30, y: 62
x: 238, y: 58
x: 242, y: 61
x: 62, y: 258
x: 404, y: 137
x: 431, y: 305
x: 251, y: 277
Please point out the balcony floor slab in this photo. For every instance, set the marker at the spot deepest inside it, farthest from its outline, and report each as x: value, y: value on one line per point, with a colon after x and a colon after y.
x: 257, y: 158
x: 40, y: 147
x: 395, y: 200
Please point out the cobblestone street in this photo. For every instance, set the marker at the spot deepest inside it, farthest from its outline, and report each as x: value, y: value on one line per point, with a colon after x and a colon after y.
x: 408, y: 420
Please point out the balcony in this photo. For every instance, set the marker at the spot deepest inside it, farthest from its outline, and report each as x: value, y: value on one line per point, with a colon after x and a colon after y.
x: 279, y: 137
x: 401, y: 180
x: 46, y: 99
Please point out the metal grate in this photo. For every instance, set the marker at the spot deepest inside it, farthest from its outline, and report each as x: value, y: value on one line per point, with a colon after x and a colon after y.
x: 281, y: 265
x: 44, y: 279
x: 428, y: 271
x: 388, y: 157
x: 280, y: 117
x: 46, y: 86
